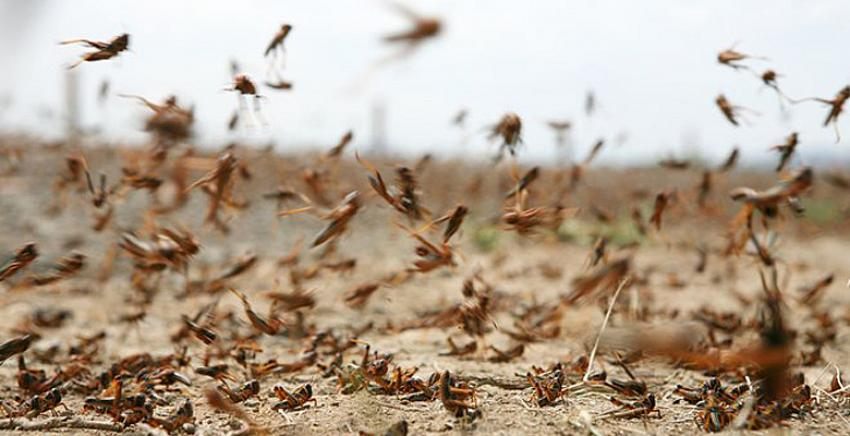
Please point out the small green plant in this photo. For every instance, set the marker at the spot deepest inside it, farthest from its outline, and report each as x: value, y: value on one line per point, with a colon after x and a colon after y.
x: 486, y: 238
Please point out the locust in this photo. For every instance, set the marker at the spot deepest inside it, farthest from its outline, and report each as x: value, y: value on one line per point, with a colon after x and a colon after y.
x: 423, y: 28
x: 767, y: 201
x: 730, y: 111
x: 339, y: 148
x: 247, y: 95
x: 293, y: 400
x: 603, y: 277
x: 169, y: 120
x: 661, y: 201
x: 339, y: 218
x: 219, y: 185
x: 66, y: 267
x: 358, y: 296
x: 836, y: 105
x: 269, y: 326
x: 786, y: 150
x: 22, y: 258
x: 730, y: 161
x: 104, y: 49
x: 458, y: 400
x: 407, y: 199
x: 280, y: 85
x: 509, y: 129
x: 276, y: 44
x: 244, y: 392
x: 732, y: 58
x: 14, y: 346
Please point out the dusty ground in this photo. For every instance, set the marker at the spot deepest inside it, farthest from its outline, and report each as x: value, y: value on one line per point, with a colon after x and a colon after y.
x: 514, y: 266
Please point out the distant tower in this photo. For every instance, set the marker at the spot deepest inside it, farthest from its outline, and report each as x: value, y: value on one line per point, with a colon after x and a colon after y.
x: 72, y: 105
x: 379, y: 128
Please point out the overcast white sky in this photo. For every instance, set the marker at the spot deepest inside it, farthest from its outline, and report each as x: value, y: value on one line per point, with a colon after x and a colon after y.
x: 651, y: 64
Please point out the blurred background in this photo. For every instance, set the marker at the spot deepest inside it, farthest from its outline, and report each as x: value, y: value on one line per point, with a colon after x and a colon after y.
x: 651, y: 67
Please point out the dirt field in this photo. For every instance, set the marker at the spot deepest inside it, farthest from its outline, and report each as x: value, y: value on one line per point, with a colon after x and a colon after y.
x: 518, y: 273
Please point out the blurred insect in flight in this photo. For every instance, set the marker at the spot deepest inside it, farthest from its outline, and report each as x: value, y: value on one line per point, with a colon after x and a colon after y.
x: 105, y: 49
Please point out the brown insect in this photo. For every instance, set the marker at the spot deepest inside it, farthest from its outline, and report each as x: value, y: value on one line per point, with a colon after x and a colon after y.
x: 460, y: 350
x: 219, y: 183
x: 221, y: 404
x: 39, y: 404
x: 294, y: 400
x: 523, y: 182
x: 730, y: 161
x: 276, y: 44
x: 577, y: 171
x: 836, y: 108
x: 730, y: 111
x: 661, y: 201
x: 240, y: 266
x: 66, y: 267
x: 233, y: 121
x: 22, y: 258
x: 634, y: 409
x: 811, y: 294
x: 337, y: 150
x: 714, y: 416
x: 674, y: 164
x: 339, y: 218
x: 455, y: 220
x: 407, y: 200
x: 220, y: 372
x: 732, y: 58
x: 280, y: 84
x: 244, y: 85
x: 423, y: 27
x: 548, y: 387
x: 105, y: 50
x: 268, y: 326
x: 431, y: 256
x: 509, y: 129
x: 168, y: 248
x: 358, y: 296
x: 606, y: 276
x: 629, y: 388
x: 247, y: 91
x: 458, y: 400
x: 169, y: 120
x: 501, y: 356
x: 768, y: 78
x: 14, y: 346
x: 767, y: 201
x: 786, y: 150
x: 599, y: 252
x: 247, y: 390
x: 184, y: 414
x: 133, y: 318
x: 297, y: 299
x: 203, y: 333
x: 525, y: 220
x: 50, y: 317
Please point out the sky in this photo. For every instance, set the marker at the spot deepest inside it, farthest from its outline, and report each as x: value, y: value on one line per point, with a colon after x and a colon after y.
x: 650, y: 64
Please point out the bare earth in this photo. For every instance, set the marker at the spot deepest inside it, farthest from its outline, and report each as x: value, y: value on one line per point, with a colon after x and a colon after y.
x: 537, y: 269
